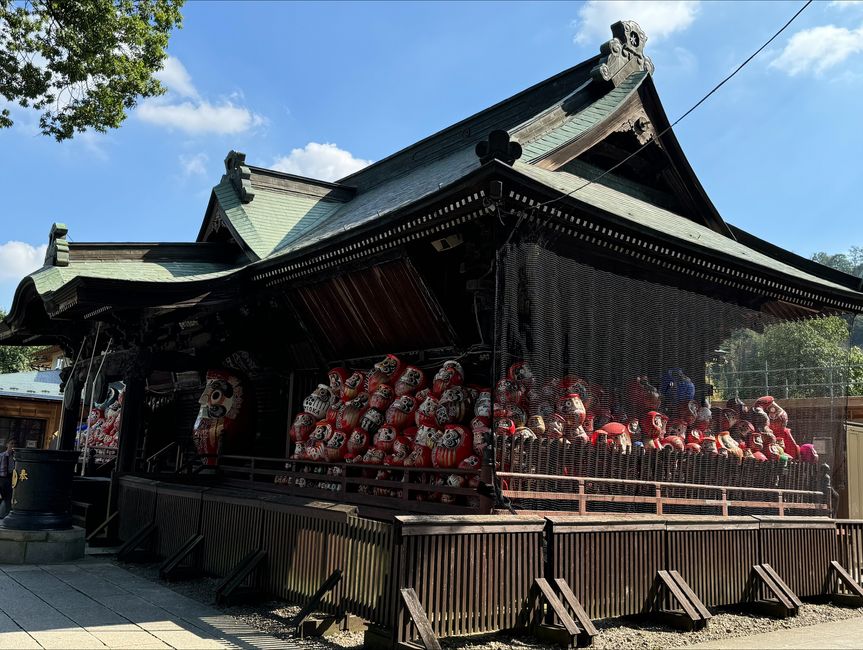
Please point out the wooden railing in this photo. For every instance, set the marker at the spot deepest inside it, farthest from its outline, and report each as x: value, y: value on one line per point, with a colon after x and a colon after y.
x: 583, y: 495
x: 408, y: 488
x: 560, y: 457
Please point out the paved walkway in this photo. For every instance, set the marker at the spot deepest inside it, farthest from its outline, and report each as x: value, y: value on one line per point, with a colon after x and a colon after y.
x: 837, y: 634
x: 100, y: 605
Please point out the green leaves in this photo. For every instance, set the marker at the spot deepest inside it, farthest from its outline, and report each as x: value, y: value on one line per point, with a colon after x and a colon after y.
x: 13, y: 358
x: 82, y: 64
x: 809, y: 358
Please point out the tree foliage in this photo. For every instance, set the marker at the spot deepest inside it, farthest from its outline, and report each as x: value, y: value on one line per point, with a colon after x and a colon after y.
x: 850, y: 262
x: 82, y: 64
x: 807, y: 358
x: 14, y: 358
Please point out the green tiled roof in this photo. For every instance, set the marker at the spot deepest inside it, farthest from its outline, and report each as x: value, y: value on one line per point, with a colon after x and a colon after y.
x: 268, y: 221
x: 381, y: 199
x: 38, y: 384
x: 51, y: 278
x: 648, y: 215
x: 581, y: 121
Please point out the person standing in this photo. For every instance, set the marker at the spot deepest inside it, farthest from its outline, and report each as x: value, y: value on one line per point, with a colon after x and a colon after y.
x: 7, y: 465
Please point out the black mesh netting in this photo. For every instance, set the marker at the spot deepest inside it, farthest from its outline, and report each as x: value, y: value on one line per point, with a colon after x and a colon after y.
x: 615, y: 393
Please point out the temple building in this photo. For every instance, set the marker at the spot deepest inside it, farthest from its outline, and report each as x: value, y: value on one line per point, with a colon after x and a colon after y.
x: 525, y: 312
x: 562, y: 227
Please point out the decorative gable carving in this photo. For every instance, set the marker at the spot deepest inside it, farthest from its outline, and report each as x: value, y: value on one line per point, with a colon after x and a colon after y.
x: 240, y: 175
x: 498, y: 146
x: 640, y: 127
x: 624, y: 54
x: 58, y: 246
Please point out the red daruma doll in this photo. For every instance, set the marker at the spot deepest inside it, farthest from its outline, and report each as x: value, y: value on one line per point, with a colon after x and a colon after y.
x: 219, y: 418
x: 455, y: 445
x: 386, y: 371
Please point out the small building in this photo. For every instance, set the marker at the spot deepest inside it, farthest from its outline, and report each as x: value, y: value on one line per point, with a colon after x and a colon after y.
x: 30, y: 407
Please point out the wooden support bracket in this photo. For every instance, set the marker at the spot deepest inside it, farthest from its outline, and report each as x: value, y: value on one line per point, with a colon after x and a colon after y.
x: 172, y: 569
x: 132, y: 550
x: 94, y: 539
x: 312, y: 605
x: 230, y: 590
x: 692, y: 615
x: 854, y: 595
x: 554, y: 614
x: 767, y: 593
x: 428, y: 639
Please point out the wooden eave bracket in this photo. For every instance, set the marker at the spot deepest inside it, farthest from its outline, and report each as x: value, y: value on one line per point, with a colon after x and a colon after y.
x: 767, y: 593
x: 231, y: 589
x: 670, y: 585
x: 554, y: 614
x: 852, y: 595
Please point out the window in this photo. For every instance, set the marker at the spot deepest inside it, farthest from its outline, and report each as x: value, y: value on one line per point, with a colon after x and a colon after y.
x: 26, y: 432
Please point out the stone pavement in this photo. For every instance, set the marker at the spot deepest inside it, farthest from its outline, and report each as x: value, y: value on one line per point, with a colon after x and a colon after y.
x: 93, y: 604
x: 836, y: 634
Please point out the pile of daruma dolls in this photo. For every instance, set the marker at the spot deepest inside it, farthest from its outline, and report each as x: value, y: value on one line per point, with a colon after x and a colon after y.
x: 394, y: 418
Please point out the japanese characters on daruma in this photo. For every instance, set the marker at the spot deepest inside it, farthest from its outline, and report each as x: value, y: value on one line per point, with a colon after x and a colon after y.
x: 392, y: 417
x: 575, y: 411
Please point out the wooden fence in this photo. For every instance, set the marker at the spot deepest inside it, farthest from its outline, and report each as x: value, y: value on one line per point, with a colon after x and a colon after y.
x: 849, y: 535
x: 305, y: 542
x: 473, y: 574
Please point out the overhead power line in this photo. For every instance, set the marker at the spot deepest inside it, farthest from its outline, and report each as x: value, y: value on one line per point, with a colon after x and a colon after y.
x: 679, y: 119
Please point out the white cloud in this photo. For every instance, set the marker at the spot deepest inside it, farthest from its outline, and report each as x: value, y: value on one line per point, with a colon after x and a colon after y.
x: 818, y: 49
x: 195, y: 164
x: 657, y: 18
x: 846, y: 4
x: 200, y: 117
x: 324, y: 162
x: 18, y: 258
x: 176, y: 78
x: 184, y: 109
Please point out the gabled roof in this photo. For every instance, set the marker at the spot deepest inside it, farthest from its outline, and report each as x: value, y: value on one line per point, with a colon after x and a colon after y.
x: 264, y: 219
x: 647, y: 216
x: 283, y: 206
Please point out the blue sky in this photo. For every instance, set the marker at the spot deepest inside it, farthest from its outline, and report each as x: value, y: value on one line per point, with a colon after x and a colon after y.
x: 320, y: 89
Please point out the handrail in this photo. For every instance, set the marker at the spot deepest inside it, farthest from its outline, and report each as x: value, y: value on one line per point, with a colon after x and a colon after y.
x: 160, y: 452
x: 689, y: 486
x: 324, y: 463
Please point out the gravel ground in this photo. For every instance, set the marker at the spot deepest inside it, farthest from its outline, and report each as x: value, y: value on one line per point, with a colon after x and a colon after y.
x: 273, y: 617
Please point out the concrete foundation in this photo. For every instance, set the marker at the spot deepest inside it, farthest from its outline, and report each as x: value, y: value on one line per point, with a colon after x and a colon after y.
x: 41, y: 546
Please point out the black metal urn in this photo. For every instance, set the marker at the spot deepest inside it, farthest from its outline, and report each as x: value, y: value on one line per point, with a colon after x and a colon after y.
x: 42, y: 490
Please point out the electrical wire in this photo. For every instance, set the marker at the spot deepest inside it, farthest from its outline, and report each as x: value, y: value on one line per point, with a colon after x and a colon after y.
x: 656, y: 139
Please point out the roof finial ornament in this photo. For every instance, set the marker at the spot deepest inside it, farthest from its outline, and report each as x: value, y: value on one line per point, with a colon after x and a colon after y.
x: 239, y: 175
x: 624, y: 54
x: 498, y: 147
x: 58, y: 247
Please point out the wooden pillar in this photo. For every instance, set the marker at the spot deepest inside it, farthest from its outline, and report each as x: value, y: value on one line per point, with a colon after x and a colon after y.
x: 130, y: 424
x: 70, y: 413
